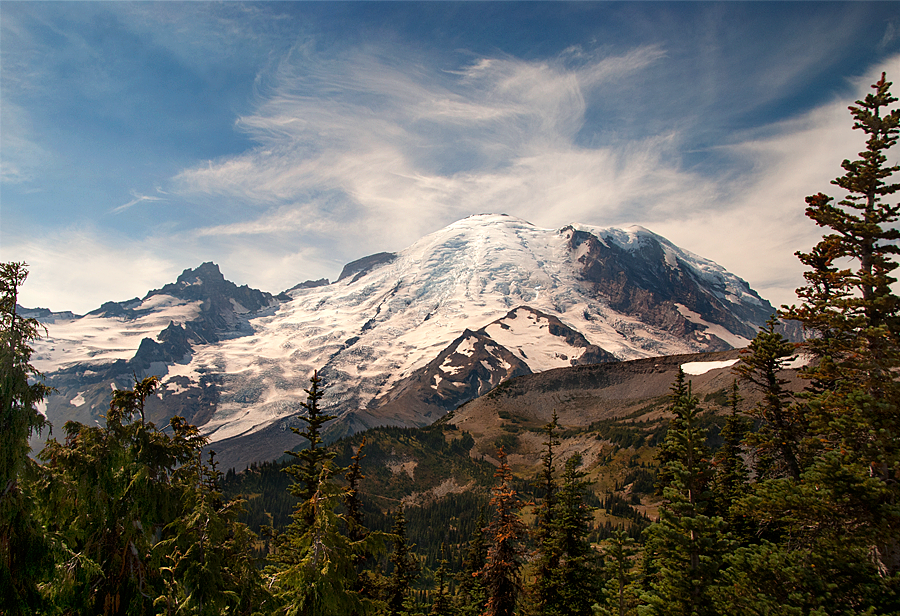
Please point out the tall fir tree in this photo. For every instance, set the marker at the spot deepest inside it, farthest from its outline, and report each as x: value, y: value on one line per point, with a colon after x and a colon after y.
x: 778, y: 443
x: 442, y: 604
x: 314, y: 567
x: 577, y: 577
x: 406, y: 568
x: 367, y: 580
x: 544, y: 591
x: 207, y: 558
x: 688, y: 542
x: 24, y: 547
x: 853, y: 315
x: 664, y: 453
x: 731, y: 474
x: 837, y: 545
x: 471, y: 595
x: 311, y: 459
x: 501, y: 574
x: 621, y: 595
x: 315, y: 564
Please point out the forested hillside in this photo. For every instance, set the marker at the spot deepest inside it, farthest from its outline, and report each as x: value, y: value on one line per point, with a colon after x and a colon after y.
x: 754, y: 499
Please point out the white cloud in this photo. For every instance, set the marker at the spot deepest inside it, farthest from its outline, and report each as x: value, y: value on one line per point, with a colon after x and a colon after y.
x: 22, y: 156
x: 405, y: 151
x: 138, y: 198
x: 761, y: 222
x: 95, y: 266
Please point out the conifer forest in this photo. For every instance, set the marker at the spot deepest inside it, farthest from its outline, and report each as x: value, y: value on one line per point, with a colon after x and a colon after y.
x: 791, y: 507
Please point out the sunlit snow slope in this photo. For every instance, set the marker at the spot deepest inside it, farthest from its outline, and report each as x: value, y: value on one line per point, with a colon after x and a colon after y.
x: 626, y: 294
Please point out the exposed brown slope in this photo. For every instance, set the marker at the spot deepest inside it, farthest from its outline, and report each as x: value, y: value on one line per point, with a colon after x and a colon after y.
x: 633, y: 391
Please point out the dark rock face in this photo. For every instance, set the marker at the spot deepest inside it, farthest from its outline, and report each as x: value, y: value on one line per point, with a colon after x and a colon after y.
x: 113, y: 309
x: 222, y: 315
x: 207, y: 283
x: 642, y: 283
x: 45, y: 315
x: 469, y: 367
x: 174, y: 347
x: 361, y: 267
x: 306, y: 284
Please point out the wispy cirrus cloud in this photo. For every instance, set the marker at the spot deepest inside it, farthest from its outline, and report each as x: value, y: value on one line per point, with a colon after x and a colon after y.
x: 403, y: 150
x: 22, y: 155
x: 138, y: 198
x: 391, y: 141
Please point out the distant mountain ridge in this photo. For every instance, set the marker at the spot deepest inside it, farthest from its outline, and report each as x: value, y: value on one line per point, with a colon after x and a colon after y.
x: 401, y: 338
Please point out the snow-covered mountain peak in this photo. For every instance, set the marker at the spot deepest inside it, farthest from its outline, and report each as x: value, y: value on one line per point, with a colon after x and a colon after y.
x: 391, y: 336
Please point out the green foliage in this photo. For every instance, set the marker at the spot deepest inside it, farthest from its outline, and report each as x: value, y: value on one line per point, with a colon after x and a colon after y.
x: 112, y: 490
x: 831, y: 515
x: 732, y: 476
x: 208, y: 565
x: 405, y: 569
x: 316, y: 564
x: 543, y: 589
x: 571, y: 582
x: 688, y: 543
x: 666, y: 453
x: 566, y: 567
x: 311, y: 459
x: 442, y: 605
x: 778, y: 443
x: 314, y: 567
x: 621, y: 593
x: 24, y: 547
x: 140, y: 520
x: 471, y: 598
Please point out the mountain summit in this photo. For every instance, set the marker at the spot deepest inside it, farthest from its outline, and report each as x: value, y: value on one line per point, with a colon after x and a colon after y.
x: 401, y: 338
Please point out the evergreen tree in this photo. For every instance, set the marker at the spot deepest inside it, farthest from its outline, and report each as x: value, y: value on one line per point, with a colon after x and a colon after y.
x: 406, y: 569
x: 732, y: 477
x: 310, y: 460
x: 471, y: 597
x: 778, y: 443
x: 665, y: 453
x: 837, y: 545
x: 688, y: 542
x: 315, y: 563
x: 367, y: 580
x: 620, y: 596
x: 544, y: 590
x: 208, y: 567
x: 853, y: 317
x: 109, y: 494
x: 501, y: 574
x: 356, y: 530
x: 576, y: 578
x: 24, y: 548
x: 442, y: 605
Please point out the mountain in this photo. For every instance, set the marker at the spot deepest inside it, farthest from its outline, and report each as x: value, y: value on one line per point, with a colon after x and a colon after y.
x: 401, y: 338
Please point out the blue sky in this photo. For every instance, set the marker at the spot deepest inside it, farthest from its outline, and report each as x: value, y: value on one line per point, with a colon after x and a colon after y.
x: 282, y: 140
